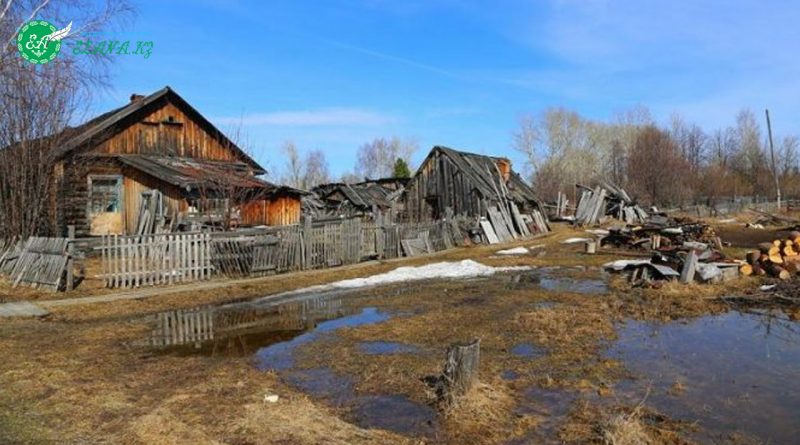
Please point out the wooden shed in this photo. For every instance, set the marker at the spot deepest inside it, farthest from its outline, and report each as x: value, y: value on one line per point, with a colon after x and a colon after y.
x: 467, y: 184
x: 112, y: 163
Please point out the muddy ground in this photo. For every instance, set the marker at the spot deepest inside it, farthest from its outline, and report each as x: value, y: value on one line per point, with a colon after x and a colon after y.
x: 82, y: 375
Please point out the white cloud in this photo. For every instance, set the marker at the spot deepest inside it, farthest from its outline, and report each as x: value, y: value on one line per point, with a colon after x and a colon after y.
x: 312, y: 118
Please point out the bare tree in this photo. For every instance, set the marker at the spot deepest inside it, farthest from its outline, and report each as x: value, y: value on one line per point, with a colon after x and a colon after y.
x: 349, y: 178
x: 655, y: 167
x: 38, y: 103
x: 527, y: 140
x: 315, y: 170
x: 293, y: 172
x: 376, y: 159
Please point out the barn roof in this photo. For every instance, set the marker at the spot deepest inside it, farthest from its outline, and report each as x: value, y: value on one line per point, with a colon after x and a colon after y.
x: 199, y: 174
x: 484, y: 175
x: 104, y: 126
x: 364, y: 194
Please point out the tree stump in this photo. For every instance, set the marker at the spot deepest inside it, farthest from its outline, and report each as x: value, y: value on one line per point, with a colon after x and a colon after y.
x: 459, y: 374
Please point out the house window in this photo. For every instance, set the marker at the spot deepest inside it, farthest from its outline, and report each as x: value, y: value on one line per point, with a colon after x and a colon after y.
x: 105, y: 194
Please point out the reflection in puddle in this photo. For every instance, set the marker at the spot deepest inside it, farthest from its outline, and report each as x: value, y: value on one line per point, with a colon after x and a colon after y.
x: 280, y: 356
x: 385, y: 348
x: 733, y: 373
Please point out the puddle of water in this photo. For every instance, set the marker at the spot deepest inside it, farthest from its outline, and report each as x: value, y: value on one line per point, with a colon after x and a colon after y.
x: 572, y: 285
x: 555, y: 279
x: 552, y: 406
x: 395, y: 413
x: 322, y: 383
x: 509, y: 374
x: 737, y: 373
x: 385, y: 348
x: 280, y: 356
x: 526, y: 350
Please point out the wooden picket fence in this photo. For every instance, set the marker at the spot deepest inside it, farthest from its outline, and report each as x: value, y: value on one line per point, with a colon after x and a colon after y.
x: 159, y: 259
x: 148, y: 260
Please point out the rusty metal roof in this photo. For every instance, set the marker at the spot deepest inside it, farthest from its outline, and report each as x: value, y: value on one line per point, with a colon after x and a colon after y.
x: 198, y: 174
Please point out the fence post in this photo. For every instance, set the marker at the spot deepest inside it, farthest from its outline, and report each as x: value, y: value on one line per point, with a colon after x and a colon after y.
x: 71, y: 253
x: 307, y: 242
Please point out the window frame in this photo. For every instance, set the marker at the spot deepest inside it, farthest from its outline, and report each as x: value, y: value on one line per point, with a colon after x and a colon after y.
x: 120, y: 192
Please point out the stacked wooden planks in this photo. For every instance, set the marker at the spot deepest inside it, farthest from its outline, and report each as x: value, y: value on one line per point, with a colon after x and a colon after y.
x: 780, y: 258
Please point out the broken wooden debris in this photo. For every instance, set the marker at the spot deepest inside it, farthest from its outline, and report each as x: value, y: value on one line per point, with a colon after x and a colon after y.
x: 41, y: 263
x: 606, y: 200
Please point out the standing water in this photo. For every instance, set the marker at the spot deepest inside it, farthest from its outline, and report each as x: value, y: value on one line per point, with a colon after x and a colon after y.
x: 734, y: 374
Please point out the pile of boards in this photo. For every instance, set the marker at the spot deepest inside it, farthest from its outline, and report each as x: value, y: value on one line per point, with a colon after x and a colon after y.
x: 660, y: 231
x: 779, y: 259
x: 606, y: 200
x: 690, y: 262
x: 504, y: 225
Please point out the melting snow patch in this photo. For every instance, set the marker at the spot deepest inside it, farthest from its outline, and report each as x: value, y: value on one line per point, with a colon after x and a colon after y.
x: 514, y: 251
x: 575, y: 240
x: 461, y: 269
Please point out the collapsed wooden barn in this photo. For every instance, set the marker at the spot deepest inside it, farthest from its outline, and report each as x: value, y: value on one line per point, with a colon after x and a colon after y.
x: 368, y: 198
x: 458, y: 183
x: 158, y: 149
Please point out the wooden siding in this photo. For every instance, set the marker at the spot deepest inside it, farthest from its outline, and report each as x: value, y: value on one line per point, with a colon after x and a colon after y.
x: 254, y: 213
x: 278, y: 211
x: 134, y: 183
x: 154, y: 133
x: 438, y: 185
x: 283, y: 210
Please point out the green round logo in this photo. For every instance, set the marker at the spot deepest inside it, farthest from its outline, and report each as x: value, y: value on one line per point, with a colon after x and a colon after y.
x: 35, y: 42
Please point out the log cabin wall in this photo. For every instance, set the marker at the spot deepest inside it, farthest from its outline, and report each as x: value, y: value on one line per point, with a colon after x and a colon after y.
x: 167, y: 131
x: 72, y: 196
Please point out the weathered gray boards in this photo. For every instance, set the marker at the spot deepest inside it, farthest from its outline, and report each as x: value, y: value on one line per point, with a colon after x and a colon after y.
x: 147, y: 260
x: 37, y: 262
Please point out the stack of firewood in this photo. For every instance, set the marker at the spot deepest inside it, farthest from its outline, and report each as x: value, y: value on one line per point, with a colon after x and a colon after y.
x: 780, y: 258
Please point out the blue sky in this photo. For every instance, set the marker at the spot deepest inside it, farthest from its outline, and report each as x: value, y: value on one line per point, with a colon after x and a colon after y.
x: 332, y: 75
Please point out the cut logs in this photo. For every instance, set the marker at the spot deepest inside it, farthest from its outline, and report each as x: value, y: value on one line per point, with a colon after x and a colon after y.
x: 779, y: 258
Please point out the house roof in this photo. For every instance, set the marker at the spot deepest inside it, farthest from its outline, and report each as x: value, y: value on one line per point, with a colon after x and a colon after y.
x: 199, y: 174
x: 104, y: 126
x: 483, y: 173
x: 364, y: 194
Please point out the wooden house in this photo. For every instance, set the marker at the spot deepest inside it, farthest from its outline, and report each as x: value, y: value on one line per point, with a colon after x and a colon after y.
x: 110, y: 166
x: 467, y: 184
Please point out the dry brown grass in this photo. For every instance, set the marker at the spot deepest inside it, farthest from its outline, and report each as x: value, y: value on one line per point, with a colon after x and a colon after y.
x: 81, y: 357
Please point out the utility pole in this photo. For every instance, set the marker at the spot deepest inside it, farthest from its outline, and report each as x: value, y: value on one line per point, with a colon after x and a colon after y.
x: 772, y: 154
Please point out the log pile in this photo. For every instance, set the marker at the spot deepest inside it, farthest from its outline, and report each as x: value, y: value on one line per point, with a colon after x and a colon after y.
x: 779, y: 259
x: 661, y: 232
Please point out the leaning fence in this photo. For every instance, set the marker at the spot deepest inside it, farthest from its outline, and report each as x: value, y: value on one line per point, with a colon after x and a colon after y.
x: 149, y: 260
